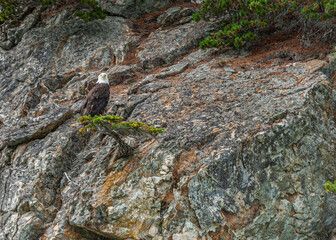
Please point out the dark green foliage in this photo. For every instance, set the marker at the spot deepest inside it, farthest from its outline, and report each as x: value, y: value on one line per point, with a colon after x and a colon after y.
x: 320, y: 10
x: 115, y: 127
x: 9, y: 9
x: 95, y: 11
x: 47, y: 2
x: 116, y: 123
x: 243, y: 20
x: 330, y: 187
x: 88, y: 10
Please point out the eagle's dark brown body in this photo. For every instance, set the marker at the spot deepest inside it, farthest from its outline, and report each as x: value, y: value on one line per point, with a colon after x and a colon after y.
x: 96, y: 100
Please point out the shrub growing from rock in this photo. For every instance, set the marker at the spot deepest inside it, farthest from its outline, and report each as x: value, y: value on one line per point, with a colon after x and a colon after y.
x: 242, y: 21
x: 88, y: 10
x: 330, y: 187
x: 95, y: 11
x: 116, y: 127
x: 8, y: 9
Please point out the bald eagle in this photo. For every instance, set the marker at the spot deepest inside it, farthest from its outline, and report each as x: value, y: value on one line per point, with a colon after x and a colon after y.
x: 97, y: 98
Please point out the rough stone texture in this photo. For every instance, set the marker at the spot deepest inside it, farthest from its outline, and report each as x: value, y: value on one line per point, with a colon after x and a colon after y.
x: 245, y: 153
x: 197, y: 1
x: 131, y: 8
x: 49, y: 56
x: 166, y: 45
x: 13, y: 36
x: 175, y: 15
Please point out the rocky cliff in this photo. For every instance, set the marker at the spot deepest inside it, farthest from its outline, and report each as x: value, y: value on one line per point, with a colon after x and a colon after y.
x: 247, y: 147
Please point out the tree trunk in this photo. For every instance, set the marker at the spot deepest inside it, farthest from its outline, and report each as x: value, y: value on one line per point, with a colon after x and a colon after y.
x: 124, y: 149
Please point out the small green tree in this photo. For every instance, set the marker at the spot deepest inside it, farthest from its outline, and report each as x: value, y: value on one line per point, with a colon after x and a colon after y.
x: 9, y: 9
x: 117, y: 128
x: 319, y: 10
x: 88, y: 10
x: 243, y: 20
x: 330, y: 187
x: 94, y: 11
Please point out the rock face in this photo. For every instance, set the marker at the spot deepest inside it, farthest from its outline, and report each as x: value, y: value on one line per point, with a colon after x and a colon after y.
x: 131, y: 8
x: 245, y: 152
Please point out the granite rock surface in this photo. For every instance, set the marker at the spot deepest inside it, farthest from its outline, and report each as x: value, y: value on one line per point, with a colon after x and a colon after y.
x: 244, y: 155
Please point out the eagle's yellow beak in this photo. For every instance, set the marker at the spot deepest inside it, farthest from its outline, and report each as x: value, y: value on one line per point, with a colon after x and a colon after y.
x: 104, y: 75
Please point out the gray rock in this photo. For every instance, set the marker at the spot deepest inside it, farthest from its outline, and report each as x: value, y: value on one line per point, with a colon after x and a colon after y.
x: 36, y: 128
x: 176, y: 15
x: 51, y: 56
x: 165, y: 46
x: 14, y: 35
x: 244, y: 154
x: 131, y: 8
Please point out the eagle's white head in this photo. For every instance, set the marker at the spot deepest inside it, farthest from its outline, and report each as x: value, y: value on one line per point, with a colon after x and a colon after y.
x: 102, y: 78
